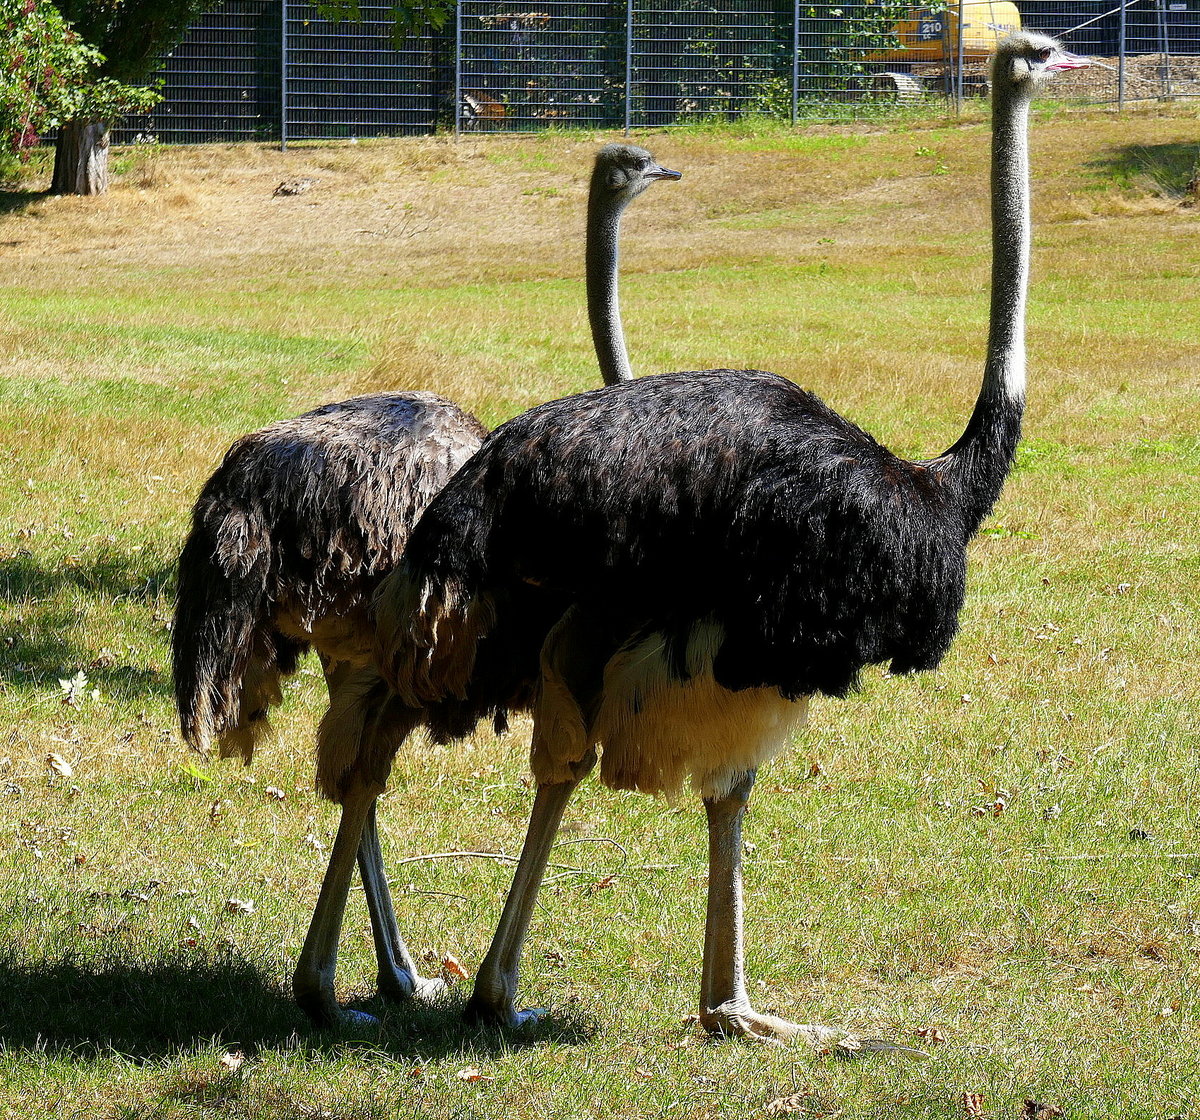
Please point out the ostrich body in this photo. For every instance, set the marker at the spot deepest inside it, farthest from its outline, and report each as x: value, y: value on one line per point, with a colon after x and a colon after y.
x: 666, y: 570
x: 290, y: 537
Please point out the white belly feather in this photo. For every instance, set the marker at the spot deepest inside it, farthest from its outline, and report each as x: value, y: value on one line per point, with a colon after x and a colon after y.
x: 655, y: 731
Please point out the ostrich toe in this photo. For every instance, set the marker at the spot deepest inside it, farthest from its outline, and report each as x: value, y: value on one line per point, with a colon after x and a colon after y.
x: 483, y: 1013
x: 754, y: 1026
x: 400, y: 987
x: 350, y: 1019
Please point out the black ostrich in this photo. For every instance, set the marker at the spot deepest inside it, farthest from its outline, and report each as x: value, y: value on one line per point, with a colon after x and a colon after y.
x: 666, y: 570
x: 290, y: 537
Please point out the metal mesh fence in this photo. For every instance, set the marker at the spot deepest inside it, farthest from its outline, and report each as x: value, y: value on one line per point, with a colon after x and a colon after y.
x: 256, y: 69
x: 692, y: 59
x: 349, y: 79
x: 522, y: 69
x: 221, y: 82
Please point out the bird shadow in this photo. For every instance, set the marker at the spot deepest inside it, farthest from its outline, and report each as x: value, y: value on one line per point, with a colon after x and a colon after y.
x: 84, y: 1008
x: 38, y: 619
x: 1172, y: 167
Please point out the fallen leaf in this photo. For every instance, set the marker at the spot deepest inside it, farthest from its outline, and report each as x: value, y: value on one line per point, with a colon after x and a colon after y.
x: 59, y: 765
x: 453, y: 968
x: 932, y: 1035
x: 972, y: 1106
x: 194, y: 772
x: 806, y: 1102
x: 602, y: 884
x: 73, y: 688
x: 1035, y: 1111
x: 239, y: 906
x: 644, y: 1074
x: 472, y: 1073
x: 274, y: 793
x: 233, y: 1060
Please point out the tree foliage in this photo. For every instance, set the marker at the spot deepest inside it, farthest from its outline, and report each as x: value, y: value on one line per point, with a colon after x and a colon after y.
x: 132, y: 35
x: 409, y: 17
x: 51, y: 74
x: 43, y: 65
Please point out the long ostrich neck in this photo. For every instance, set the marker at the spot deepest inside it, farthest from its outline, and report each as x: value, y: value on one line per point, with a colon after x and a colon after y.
x: 979, y: 462
x: 604, y: 314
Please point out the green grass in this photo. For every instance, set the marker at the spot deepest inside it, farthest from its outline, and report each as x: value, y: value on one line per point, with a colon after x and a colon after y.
x: 1007, y: 850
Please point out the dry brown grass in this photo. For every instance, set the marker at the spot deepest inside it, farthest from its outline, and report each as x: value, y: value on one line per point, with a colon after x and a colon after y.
x: 505, y: 208
x: 142, y: 332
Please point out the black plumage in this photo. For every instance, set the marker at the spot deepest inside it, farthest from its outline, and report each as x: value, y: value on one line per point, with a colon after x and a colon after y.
x: 729, y: 496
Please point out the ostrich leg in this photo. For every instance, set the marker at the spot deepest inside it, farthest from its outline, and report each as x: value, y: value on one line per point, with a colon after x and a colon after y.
x: 724, y: 1005
x: 493, y: 999
x: 357, y: 837
x: 312, y: 982
x: 398, y: 976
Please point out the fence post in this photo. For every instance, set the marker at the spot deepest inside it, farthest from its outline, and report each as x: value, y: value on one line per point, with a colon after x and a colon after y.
x: 1165, y: 47
x: 1121, y: 56
x: 958, y: 66
x: 628, y: 64
x: 795, y: 59
x: 283, y: 69
x: 458, y: 61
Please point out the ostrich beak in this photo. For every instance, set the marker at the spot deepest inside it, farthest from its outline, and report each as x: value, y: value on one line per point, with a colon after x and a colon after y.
x: 1064, y: 60
x: 663, y: 173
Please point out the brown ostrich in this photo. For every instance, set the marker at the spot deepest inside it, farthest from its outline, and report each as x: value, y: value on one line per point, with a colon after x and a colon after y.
x: 290, y: 538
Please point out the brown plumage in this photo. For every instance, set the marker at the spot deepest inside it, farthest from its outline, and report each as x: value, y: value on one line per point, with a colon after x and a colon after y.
x: 290, y: 537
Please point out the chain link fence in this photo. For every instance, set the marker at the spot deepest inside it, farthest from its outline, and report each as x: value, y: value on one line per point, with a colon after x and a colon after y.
x: 273, y: 69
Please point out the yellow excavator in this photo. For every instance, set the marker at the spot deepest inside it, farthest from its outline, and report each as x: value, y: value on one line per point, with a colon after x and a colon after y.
x: 929, y: 45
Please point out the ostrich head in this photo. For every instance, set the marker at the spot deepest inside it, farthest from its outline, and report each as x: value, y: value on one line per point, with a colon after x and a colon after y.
x: 1023, y: 60
x: 625, y: 170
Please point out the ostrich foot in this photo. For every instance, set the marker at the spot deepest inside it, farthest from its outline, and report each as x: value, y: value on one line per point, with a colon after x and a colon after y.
x: 483, y: 1013
x: 318, y: 1004
x: 744, y: 1022
x: 351, y: 1019
x: 400, y: 987
x: 327, y: 1014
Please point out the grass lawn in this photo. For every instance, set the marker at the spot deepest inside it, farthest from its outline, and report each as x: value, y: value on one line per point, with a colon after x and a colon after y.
x: 999, y: 862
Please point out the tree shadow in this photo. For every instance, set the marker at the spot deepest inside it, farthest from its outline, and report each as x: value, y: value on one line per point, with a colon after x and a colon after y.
x: 84, y: 1008
x: 1171, y: 167
x: 38, y: 619
x: 17, y: 201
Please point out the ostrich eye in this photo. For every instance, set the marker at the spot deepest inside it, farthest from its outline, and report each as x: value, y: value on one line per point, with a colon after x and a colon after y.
x: 1043, y: 55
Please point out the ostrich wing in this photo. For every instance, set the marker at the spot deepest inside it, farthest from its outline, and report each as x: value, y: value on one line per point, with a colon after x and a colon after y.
x: 733, y: 497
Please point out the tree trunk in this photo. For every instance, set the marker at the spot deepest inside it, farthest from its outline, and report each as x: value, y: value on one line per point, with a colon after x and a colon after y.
x: 81, y: 158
